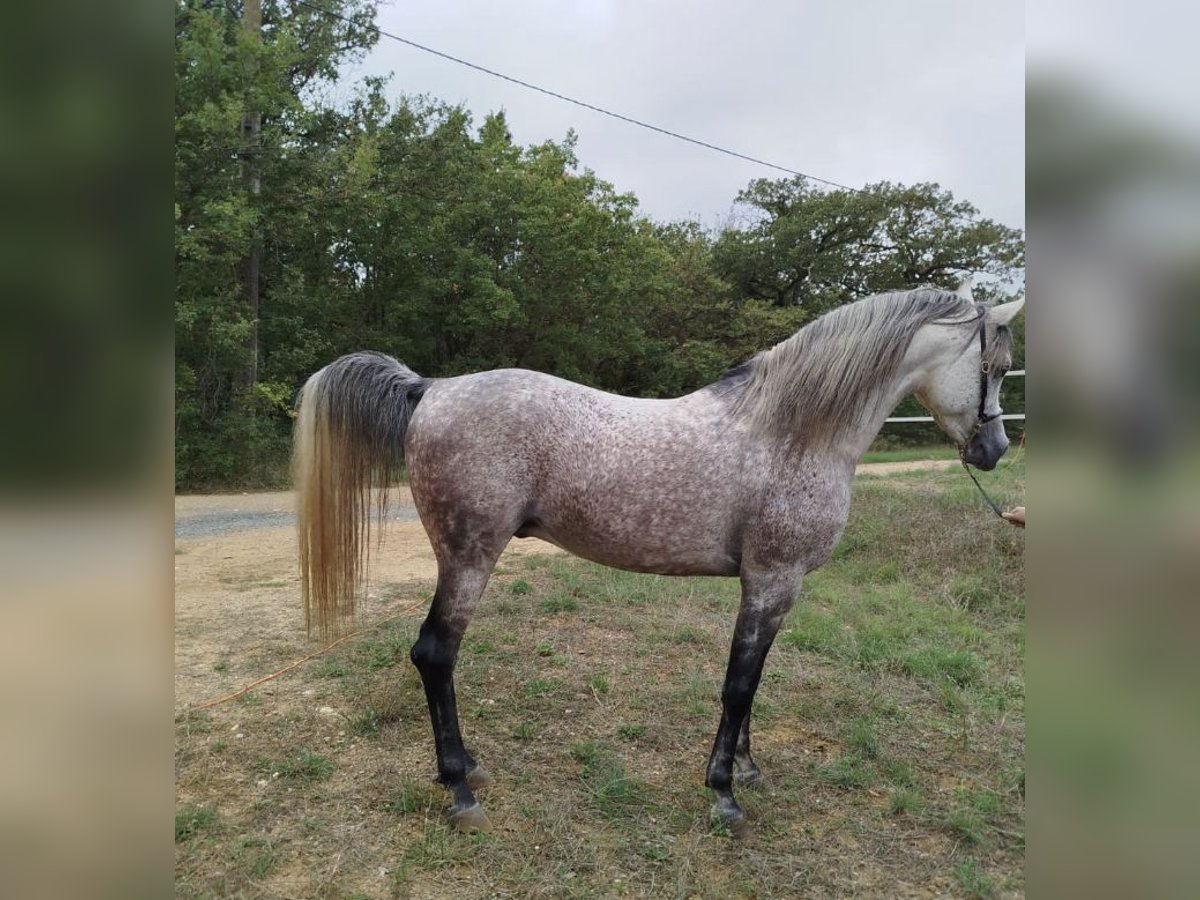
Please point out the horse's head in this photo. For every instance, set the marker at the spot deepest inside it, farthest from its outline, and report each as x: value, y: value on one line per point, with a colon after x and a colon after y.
x: 961, y: 383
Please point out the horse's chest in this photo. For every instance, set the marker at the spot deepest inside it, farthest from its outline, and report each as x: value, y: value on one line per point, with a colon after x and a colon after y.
x: 799, y: 524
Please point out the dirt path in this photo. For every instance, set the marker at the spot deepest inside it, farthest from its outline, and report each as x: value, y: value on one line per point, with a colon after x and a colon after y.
x: 912, y: 465
x: 237, y: 607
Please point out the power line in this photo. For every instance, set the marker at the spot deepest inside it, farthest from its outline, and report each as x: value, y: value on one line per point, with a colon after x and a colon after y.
x: 606, y: 112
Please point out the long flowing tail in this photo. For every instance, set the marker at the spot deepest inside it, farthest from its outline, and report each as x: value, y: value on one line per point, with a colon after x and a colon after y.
x: 348, y: 445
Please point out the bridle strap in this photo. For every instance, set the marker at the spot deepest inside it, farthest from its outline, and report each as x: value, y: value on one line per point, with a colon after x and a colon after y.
x: 982, y: 418
x: 985, y: 369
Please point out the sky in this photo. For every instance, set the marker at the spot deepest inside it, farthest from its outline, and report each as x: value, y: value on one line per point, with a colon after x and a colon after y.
x: 854, y: 92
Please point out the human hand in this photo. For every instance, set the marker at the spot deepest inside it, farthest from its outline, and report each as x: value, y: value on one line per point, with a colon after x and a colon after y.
x: 1016, y: 515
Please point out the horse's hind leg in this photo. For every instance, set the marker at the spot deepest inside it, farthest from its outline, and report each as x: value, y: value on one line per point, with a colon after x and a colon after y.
x: 434, y: 654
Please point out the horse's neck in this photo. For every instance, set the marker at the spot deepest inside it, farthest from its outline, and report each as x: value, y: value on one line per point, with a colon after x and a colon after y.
x: 856, y: 437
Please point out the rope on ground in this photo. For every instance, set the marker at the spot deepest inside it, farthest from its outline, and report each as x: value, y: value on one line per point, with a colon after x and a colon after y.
x: 294, y: 665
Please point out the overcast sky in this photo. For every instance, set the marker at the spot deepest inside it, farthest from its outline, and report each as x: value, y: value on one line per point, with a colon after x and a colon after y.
x: 854, y: 92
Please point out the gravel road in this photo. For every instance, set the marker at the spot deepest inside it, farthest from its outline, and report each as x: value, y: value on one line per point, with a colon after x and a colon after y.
x: 210, y: 515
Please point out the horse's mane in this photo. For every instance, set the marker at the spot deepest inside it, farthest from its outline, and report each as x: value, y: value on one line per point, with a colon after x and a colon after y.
x: 831, y: 373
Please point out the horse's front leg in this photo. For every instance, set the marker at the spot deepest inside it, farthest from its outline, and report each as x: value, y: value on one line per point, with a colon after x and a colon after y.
x: 765, y: 601
x: 745, y: 771
x: 435, y: 654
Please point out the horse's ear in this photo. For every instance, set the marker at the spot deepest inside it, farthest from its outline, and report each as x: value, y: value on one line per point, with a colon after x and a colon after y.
x: 1005, y: 312
x: 964, y: 289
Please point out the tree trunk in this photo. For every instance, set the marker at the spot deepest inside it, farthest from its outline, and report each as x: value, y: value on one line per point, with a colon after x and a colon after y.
x: 249, y: 268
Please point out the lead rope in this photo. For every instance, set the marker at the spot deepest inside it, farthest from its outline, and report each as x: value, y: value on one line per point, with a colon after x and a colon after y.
x: 990, y: 502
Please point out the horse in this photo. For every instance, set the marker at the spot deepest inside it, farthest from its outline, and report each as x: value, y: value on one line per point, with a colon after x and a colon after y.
x: 749, y: 476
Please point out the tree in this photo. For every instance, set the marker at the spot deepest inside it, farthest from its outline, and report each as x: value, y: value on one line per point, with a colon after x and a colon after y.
x: 817, y: 249
x: 223, y: 73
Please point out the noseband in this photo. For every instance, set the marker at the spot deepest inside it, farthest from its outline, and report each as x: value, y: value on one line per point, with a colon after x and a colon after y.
x: 981, y: 417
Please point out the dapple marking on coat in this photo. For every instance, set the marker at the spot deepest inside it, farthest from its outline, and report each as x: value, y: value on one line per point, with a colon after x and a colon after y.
x: 750, y: 476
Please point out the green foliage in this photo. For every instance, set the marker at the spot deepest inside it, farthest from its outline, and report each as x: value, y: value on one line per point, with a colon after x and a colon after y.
x: 405, y: 228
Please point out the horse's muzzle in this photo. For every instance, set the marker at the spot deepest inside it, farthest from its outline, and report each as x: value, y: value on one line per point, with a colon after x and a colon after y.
x: 986, y: 446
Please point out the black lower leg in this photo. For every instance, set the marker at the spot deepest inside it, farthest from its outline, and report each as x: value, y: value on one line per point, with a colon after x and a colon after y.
x: 741, y: 681
x: 434, y: 655
x: 759, y: 618
x: 744, y: 769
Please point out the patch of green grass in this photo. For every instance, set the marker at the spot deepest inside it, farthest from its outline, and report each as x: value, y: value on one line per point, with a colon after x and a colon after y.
x: 222, y: 666
x: 586, y: 752
x: 520, y: 586
x: 220, y: 745
x: 411, y: 797
x: 689, y: 634
x: 909, y: 454
x: 254, y: 856
x: 557, y: 603
x: 481, y: 646
x: 383, y: 653
x: 192, y: 820
x: 609, y: 790
x: 933, y: 663
x: 966, y: 823
x: 437, y: 848
x: 985, y: 802
x: 698, y: 693
x: 540, y: 687
x: 816, y: 632
x: 973, y: 882
x: 599, y: 684
x: 863, y: 740
x: 630, y: 732
x: 367, y: 724
x: 970, y: 592
x: 308, y: 766
x: 527, y: 731
x: 904, y: 801
x: 330, y: 668
x: 898, y: 772
x: 848, y: 772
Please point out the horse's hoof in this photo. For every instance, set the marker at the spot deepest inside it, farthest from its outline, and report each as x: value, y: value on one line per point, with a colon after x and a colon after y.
x: 470, y: 818
x: 479, y: 778
x: 727, y: 812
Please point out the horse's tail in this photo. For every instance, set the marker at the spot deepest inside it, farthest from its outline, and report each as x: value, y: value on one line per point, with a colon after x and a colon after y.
x: 348, y: 444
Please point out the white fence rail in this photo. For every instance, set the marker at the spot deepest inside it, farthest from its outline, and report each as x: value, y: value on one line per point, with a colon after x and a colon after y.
x: 1007, y: 417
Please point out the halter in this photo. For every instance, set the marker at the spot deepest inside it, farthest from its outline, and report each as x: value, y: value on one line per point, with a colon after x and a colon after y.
x: 981, y: 417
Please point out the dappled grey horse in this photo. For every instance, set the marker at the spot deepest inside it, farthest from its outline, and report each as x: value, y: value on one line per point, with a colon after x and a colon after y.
x: 749, y: 476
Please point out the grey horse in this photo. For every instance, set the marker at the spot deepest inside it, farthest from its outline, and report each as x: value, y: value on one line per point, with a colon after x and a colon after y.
x: 748, y: 476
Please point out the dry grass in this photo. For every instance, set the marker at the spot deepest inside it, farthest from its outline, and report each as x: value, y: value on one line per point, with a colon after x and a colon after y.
x: 890, y: 724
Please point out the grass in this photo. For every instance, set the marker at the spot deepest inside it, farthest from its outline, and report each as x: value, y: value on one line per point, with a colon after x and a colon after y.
x: 910, y: 454
x: 193, y: 820
x: 974, y: 883
x: 889, y: 724
x: 307, y: 766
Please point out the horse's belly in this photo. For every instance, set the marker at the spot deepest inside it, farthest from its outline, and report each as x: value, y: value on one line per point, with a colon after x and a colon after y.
x: 671, y: 558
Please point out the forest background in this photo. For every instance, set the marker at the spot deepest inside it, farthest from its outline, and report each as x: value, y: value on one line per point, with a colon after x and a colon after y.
x: 306, y: 228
